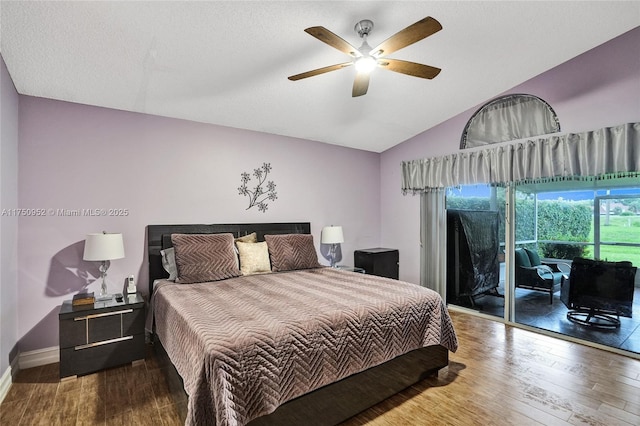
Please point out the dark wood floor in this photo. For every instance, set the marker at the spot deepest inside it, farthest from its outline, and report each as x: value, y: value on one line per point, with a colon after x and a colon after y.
x: 134, y: 394
x: 500, y: 375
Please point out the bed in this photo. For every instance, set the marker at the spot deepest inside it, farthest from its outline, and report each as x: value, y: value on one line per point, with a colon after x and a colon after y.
x: 301, y: 345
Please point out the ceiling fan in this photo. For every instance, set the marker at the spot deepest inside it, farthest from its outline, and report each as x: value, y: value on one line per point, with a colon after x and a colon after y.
x: 365, y: 59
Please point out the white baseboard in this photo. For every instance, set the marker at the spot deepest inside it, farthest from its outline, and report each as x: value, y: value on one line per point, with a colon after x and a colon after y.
x: 39, y: 357
x: 14, y: 368
x: 5, y: 383
x: 8, y: 377
x: 27, y: 360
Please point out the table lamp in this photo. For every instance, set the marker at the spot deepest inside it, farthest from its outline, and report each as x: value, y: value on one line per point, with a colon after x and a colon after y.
x: 332, y: 235
x: 103, y: 247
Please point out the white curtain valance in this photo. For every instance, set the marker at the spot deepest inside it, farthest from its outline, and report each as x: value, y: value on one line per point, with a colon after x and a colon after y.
x: 507, y: 118
x: 598, y: 154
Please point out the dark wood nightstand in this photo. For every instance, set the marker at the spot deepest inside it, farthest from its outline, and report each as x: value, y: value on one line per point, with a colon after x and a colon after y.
x: 105, y: 334
x: 378, y: 261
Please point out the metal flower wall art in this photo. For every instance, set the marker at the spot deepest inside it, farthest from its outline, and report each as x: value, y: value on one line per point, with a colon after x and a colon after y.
x: 259, y: 194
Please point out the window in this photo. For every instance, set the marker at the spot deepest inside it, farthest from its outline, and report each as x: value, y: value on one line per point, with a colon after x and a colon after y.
x: 558, y: 223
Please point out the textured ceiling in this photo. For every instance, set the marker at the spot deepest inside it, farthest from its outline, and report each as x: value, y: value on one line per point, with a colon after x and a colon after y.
x: 227, y: 62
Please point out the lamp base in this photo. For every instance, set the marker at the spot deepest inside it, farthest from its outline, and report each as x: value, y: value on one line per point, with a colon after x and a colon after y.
x: 332, y: 255
x: 103, y: 288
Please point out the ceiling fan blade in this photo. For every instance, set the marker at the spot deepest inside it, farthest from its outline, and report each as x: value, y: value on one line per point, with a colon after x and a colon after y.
x: 409, y: 68
x: 319, y: 71
x: 413, y: 33
x: 326, y: 36
x: 360, y: 84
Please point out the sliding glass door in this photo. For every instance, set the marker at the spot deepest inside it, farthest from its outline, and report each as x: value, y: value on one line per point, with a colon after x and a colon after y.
x: 475, y: 248
x: 558, y: 226
x: 541, y: 229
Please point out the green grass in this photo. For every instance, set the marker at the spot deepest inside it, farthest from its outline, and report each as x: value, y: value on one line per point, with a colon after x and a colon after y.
x: 621, y: 229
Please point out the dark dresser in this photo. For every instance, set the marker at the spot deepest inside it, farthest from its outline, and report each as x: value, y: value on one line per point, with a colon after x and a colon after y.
x: 104, y: 335
x: 383, y: 262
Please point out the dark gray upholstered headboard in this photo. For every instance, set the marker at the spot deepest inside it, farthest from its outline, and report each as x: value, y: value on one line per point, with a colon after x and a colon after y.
x: 159, y: 237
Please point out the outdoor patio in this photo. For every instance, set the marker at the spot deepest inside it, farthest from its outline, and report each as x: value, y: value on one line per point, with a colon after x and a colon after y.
x: 533, y: 309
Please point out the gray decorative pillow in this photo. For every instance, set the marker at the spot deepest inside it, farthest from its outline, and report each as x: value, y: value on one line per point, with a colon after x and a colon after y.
x: 169, y: 262
x: 289, y: 252
x: 204, y: 257
x: 254, y: 258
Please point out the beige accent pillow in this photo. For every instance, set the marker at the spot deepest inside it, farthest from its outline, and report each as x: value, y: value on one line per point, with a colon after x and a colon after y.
x: 254, y: 258
x: 249, y: 238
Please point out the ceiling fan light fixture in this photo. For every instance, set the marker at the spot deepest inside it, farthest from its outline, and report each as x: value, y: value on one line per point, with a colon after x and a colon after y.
x: 365, y: 59
x: 365, y: 64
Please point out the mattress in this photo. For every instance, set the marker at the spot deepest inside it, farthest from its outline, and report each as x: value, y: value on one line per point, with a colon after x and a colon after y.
x: 245, y: 345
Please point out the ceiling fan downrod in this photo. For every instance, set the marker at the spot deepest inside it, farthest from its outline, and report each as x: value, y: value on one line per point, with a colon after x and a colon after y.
x: 364, y: 27
x: 366, y: 63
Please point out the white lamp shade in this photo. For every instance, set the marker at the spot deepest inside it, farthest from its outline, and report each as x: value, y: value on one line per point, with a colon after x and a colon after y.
x: 332, y: 235
x: 103, y: 247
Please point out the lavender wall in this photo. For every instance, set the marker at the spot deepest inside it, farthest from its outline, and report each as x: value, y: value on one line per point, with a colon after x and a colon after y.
x: 172, y: 171
x: 164, y: 171
x: 9, y: 101
x: 597, y: 89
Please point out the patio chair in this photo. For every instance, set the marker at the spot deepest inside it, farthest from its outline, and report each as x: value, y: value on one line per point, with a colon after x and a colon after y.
x: 531, y: 273
x: 598, y: 292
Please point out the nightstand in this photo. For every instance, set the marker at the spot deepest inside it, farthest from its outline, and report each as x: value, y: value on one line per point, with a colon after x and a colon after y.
x: 104, y: 335
x: 350, y: 268
x: 378, y: 261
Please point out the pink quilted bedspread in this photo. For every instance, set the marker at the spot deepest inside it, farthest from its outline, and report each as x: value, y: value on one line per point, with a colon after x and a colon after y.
x: 246, y: 345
